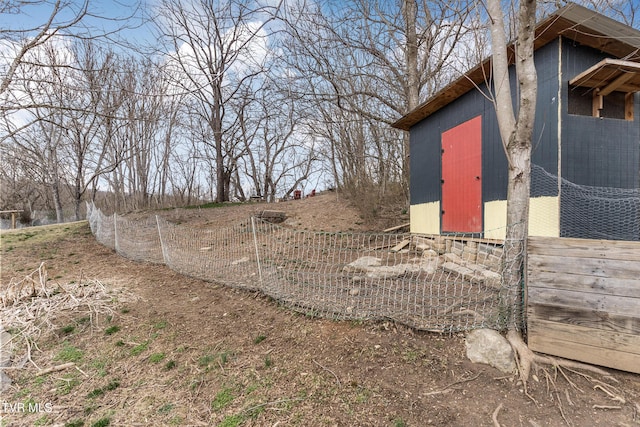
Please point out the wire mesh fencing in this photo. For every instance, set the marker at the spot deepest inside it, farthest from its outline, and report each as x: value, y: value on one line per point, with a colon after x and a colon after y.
x: 583, y: 211
x: 431, y: 283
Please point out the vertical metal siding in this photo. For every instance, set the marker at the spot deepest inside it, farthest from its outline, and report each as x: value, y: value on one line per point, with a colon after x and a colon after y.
x: 596, y: 152
x: 425, y: 136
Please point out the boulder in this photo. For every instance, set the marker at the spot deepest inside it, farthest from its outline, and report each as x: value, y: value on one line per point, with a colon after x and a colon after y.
x: 491, y: 348
x: 5, y: 359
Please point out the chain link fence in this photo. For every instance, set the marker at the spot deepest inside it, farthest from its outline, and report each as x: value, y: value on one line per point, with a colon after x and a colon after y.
x: 431, y: 283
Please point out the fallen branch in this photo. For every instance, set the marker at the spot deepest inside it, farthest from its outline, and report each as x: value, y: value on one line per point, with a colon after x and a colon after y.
x: 447, y: 389
x: 441, y: 391
x: 606, y: 407
x: 329, y: 370
x: 275, y: 402
x: 55, y: 369
x: 494, y: 416
x: 32, y: 307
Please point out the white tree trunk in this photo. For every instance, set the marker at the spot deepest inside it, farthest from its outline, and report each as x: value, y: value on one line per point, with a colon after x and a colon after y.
x: 516, y: 133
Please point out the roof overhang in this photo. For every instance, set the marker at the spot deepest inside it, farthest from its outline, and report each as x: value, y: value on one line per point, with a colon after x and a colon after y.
x: 610, y: 75
x: 573, y: 22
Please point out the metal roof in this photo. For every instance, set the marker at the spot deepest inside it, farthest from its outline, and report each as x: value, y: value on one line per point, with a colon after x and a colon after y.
x: 573, y: 21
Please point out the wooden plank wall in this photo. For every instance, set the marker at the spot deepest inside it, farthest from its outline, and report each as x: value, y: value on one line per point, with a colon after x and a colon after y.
x: 583, y: 300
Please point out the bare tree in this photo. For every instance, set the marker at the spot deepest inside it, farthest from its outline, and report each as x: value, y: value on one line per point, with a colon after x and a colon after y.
x: 40, y: 141
x: 32, y: 62
x: 63, y: 15
x: 212, y: 46
x: 375, y: 60
x: 278, y: 152
x: 63, y: 19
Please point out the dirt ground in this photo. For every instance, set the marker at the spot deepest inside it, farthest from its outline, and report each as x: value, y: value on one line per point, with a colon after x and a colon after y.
x: 167, y: 350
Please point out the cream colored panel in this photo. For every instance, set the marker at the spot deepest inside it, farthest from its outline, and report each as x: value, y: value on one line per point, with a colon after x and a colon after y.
x: 544, y: 217
x: 495, y: 219
x: 425, y: 218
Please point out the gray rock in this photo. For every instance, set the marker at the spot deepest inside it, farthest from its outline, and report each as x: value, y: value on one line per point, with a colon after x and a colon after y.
x: 5, y: 382
x: 5, y: 359
x: 489, y: 347
x: 5, y: 349
x: 362, y: 264
x: 390, y: 271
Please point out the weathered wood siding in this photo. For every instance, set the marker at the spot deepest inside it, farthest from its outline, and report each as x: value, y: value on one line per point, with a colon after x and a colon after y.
x: 583, y: 300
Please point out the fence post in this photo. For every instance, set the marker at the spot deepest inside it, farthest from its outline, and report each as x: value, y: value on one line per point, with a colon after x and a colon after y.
x: 255, y: 241
x: 164, y: 254
x: 115, y: 232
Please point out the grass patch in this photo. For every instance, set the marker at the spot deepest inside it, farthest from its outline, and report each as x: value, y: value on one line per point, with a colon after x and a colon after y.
x: 24, y: 237
x: 165, y: 409
x: 102, y: 422
x: 222, y: 358
x: 231, y: 421
x: 259, y: 339
x: 222, y: 399
x: 112, y: 330
x: 160, y: 325
x: 42, y: 421
x: 101, y: 366
x: 156, y: 357
x: 170, y: 365
x: 211, y: 205
x: 69, y: 353
x: 66, y: 330
x: 206, y: 360
x: 102, y: 390
x: 75, y: 423
x: 66, y: 384
x: 140, y: 348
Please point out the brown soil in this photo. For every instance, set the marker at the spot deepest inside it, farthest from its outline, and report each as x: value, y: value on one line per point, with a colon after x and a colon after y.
x: 188, y: 352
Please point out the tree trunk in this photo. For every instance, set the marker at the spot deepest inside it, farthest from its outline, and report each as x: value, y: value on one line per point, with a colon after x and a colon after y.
x: 516, y: 136
x: 57, y: 202
x: 409, y: 12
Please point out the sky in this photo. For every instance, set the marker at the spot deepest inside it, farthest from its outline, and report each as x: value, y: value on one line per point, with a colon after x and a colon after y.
x: 117, y: 11
x: 106, y: 16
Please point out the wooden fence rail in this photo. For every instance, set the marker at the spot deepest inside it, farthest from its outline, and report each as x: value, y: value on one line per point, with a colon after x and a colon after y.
x: 583, y: 300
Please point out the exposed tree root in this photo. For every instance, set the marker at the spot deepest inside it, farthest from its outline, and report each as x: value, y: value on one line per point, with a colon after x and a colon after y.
x: 527, y: 359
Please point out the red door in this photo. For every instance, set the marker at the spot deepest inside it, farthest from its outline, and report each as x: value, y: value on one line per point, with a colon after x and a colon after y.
x: 462, y: 178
